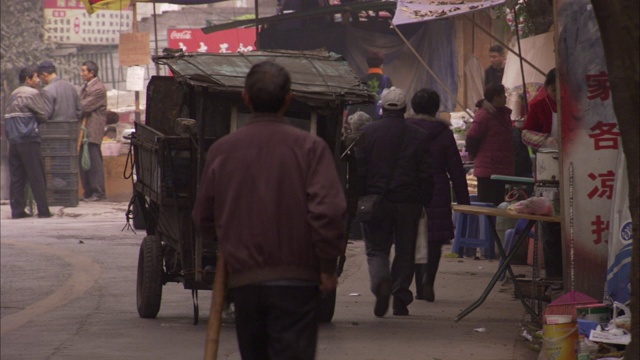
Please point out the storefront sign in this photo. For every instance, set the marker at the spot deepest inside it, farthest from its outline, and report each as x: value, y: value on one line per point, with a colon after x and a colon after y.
x: 226, y: 41
x: 67, y: 22
x: 590, y: 143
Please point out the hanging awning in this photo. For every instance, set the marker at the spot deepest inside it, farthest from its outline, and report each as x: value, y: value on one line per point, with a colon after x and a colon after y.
x: 411, y: 11
x: 97, y: 5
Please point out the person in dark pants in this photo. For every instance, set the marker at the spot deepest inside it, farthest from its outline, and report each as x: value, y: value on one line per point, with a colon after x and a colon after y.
x: 93, y: 101
x: 447, y: 170
x: 394, y: 163
x: 26, y: 109
x: 271, y: 193
x: 490, y: 144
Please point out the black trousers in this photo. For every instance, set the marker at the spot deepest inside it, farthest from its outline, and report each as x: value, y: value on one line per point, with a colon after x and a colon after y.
x: 276, y: 321
x: 491, y: 191
x: 399, y: 227
x: 25, y: 164
x: 551, y: 235
x: 93, y: 179
x: 426, y: 273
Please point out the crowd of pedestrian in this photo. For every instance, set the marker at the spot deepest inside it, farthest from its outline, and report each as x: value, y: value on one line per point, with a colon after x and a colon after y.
x: 45, y: 97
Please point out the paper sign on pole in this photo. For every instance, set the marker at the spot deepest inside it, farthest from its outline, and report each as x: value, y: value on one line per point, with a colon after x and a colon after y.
x: 135, y: 78
x: 134, y: 49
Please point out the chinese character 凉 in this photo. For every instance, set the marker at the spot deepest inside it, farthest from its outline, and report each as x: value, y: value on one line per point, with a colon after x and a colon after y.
x: 606, y: 185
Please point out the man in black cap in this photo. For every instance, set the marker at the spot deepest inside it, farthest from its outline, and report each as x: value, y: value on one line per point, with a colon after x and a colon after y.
x: 62, y: 97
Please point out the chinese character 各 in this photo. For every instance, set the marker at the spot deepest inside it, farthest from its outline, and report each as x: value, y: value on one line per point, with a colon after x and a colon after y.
x: 605, y: 135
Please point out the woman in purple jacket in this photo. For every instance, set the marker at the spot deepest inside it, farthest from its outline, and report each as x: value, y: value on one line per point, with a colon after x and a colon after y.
x: 447, y: 167
x: 490, y: 144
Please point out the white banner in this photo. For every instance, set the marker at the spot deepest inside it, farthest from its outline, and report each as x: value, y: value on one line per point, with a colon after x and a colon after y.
x: 410, y: 11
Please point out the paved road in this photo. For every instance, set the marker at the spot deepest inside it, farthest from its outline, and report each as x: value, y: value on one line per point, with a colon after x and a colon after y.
x: 68, y: 293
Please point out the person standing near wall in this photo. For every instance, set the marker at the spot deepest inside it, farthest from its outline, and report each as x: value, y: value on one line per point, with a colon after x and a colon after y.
x: 25, y: 111
x: 93, y: 102
x: 493, y: 74
x: 272, y: 194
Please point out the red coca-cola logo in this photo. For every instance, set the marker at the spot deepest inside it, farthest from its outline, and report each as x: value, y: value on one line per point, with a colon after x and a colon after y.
x: 181, y: 35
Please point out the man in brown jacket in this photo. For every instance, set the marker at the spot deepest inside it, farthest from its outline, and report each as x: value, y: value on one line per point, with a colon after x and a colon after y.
x: 93, y: 101
x: 272, y: 194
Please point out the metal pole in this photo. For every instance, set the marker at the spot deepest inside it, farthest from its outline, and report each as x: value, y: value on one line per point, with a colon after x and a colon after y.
x: 136, y: 93
x: 257, y: 28
x: 155, y: 35
x: 413, y: 50
x: 524, y: 84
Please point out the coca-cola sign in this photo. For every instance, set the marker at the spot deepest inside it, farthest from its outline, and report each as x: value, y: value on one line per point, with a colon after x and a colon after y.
x: 180, y: 35
x: 225, y: 41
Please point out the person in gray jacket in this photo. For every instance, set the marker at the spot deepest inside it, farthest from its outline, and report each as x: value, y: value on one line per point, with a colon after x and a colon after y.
x: 62, y: 97
x: 26, y: 109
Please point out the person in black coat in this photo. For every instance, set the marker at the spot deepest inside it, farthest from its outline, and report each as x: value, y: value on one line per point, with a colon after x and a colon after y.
x: 447, y: 170
x: 393, y: 162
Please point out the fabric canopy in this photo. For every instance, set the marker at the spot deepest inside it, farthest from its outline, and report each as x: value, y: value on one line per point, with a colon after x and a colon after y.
x: 410, y: 11
x: 96, y: 5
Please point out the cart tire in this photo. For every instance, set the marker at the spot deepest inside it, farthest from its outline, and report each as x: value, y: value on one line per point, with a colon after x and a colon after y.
x: 150, y: 275
x: 326, y: 307
x: 138, y: 215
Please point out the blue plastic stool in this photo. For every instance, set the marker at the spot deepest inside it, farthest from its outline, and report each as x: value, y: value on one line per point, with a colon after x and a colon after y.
x: 510, y: 237
x: 474, y: 231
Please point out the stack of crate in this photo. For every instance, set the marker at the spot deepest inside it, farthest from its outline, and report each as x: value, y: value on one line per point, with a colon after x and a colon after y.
x: 60, y: 158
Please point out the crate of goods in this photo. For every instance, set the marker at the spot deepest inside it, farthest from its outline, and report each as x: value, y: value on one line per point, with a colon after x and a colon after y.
x: 66, y: 130
x: 62, y: 180
x: 59, y: 146
x: 60, y: 164
x: 62, y: 197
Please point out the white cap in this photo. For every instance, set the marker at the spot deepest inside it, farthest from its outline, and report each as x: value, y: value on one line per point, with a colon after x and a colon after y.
x: 393, y: 98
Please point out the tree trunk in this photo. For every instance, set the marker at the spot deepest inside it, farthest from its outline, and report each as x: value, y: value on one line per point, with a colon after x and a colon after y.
x: 619, y: 22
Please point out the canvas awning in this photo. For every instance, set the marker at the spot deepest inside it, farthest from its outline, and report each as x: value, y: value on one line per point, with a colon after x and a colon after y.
x: 317, y: 76
x: 411, y: 11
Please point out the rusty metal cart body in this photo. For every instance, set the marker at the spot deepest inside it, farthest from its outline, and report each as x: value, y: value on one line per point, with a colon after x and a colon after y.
x: 188, y: 112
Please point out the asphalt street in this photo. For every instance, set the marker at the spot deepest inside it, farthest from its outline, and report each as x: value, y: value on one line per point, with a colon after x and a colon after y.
x: 68, y: 287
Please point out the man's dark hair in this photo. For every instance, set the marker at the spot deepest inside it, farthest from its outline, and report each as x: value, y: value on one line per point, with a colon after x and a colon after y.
x: 492, y: 91
x: 267, y: 85
x: 551, y: 78
x: 27, y: 73
x: 92, y: 67
x: 46, y: 67
x: 425, y: 101
x: 497, y: 49
x: 375, y: 59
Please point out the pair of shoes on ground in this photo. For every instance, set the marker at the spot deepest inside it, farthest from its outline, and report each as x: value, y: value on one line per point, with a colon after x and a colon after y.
x: 94, y: 197
x: 25, y: 214
x: 21, y: 215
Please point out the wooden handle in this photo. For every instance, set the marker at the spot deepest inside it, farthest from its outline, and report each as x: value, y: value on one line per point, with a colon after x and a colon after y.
x: 215, y: 316
x: 81, y: 133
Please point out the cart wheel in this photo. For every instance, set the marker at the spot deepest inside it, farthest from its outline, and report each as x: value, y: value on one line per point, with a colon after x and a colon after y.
x: 150, y: 274
x: 326, y: 307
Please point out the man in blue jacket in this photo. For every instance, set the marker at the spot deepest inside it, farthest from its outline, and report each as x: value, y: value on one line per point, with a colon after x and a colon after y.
x: 25, y: 111
x: 394, y: 162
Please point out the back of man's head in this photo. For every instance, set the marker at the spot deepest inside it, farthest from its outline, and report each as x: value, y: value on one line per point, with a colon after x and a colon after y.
x: 425, y: 101
x: 375, y: 59
x: 393, y: 99
x: 266, y: 86
x: 46, y: 67
x: 27, y: 73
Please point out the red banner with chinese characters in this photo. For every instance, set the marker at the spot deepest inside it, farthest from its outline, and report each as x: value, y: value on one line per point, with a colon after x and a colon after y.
x: 225, y: 41
x: 590, y: 145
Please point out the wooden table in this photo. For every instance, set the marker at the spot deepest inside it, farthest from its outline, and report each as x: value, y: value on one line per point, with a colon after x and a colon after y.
x: 505, y: 266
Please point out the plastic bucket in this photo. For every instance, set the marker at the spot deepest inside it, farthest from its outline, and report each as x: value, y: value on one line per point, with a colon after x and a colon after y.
x: 560, y: 340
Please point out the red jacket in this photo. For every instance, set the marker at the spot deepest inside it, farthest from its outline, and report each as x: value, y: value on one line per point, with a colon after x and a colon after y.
x: 272, y: 192
x: 541, y: 109
x: 490, y: 140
